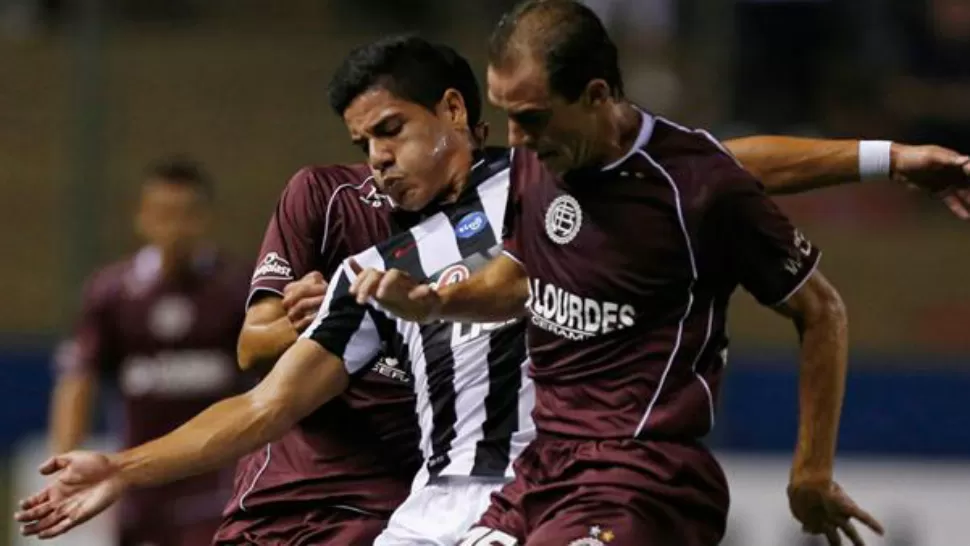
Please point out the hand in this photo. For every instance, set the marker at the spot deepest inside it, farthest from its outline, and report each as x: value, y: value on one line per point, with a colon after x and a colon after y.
x: 823, y: 508
x: 302, y: 299
x: 86, y: 483
x: 397, y: 292
x: 939, y: 171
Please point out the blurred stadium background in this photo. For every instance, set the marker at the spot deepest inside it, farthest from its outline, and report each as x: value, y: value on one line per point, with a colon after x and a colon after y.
x: 92, y: 90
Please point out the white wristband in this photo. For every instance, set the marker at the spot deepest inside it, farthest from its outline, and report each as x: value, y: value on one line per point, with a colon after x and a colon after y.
x: 875, y: 159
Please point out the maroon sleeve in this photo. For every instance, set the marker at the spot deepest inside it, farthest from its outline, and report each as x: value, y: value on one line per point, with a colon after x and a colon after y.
x: 90, y: 345
x: 770, y: 258
x: 292, y: 240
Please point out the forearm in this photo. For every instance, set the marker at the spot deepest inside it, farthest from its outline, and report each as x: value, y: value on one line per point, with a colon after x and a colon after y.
x: 212, y: 439
x: 70, y: 412
x: 496, y: 293
x: 261, y: 345
x: 792, y: 165
x: 824, y: 357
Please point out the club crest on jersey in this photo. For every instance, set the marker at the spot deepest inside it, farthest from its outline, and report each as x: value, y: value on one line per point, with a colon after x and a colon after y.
x: 171, y: 318
x: 471, y: 225
x: 452, y: 275
x: 597, y: 537
x: 564, y: 218
x: 273, y: 266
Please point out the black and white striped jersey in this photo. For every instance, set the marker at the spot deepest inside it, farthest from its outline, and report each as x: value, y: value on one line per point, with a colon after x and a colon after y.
x: 474, y: 397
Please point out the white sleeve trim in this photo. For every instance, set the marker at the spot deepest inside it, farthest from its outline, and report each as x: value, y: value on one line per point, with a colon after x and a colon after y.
x: 513, y: 257
x: 801, y: 283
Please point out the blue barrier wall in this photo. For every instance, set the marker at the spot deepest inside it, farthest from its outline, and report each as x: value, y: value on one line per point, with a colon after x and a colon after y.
x: 888, y: 410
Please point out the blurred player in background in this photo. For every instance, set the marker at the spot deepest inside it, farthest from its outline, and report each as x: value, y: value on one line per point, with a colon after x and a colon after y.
x: 160, y: 327
x: 90, y: 482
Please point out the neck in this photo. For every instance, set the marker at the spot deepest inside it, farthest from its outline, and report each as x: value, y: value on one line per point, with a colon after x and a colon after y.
x: 176, y: 263
x: 622, y: 127
x: 461, y: 165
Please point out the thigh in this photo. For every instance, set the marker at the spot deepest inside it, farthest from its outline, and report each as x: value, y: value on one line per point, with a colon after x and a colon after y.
x: 621, y: 516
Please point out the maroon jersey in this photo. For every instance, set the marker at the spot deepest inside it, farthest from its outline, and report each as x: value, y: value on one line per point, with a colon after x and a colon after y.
x: 631, y: 268
x: 169, y: 346
x: 360, y: 450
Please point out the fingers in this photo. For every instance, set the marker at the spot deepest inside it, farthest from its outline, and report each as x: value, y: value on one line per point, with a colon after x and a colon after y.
x: 35, y: 499
x: 303, y: 323
x: 957, y: 206
x: 34, y: 513
x: 44, y: 527
x: 851, y: 532
x: 420, y: 292
x: 389, y: 282
x: 52, y: 465
x: 832, y: 535
x: 306, y: 307
x: 866, y: 518
x: 366, y: 284
x: 295, y: 292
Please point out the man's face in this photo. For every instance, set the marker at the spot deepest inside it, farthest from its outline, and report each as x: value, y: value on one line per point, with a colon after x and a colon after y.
x: 561, y: 133
x: 171, y: 216
x: 410, y: 149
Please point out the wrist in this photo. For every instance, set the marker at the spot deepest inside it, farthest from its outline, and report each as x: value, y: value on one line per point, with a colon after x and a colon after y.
x: 876, y: 159
x: 122, y: 466
x: 808, y: 472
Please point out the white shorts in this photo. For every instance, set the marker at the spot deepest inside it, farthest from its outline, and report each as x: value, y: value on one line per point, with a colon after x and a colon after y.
x: 439, y: 514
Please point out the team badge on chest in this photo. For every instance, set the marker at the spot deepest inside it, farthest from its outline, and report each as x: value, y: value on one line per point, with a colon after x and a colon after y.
x: 564, y: 218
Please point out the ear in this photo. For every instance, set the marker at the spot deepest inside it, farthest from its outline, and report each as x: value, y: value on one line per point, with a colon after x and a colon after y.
x: 597, y: 92
x: 481, y: 133
x: 452, y: 108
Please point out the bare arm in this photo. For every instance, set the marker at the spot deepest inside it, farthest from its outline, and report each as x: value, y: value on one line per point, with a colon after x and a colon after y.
x: 792, y: 165
x: 787, y: 165
x: 266, y: 334
x: 820, y: 318
x: 495, y: 293
x: 304, y: 378
x: 70, y: 411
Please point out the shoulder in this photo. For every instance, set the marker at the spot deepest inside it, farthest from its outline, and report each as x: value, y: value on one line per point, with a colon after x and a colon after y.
x: 694, y: 162
x: 103, y: 286
x: 316, y: 184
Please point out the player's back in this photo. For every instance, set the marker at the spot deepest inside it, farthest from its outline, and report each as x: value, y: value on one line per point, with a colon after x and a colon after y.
x: 166, y: 343
x: 630, y: 269
x: 358, y: 451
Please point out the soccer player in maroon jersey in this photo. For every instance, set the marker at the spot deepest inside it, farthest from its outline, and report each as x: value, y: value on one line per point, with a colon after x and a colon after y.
x: 87, y: 481
x: 337, y: 475
x: 160, y: 327
x: 625, y: 242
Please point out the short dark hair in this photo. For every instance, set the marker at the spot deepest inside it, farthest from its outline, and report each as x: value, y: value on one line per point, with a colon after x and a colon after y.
x: 567, y: 37
x: 183, y: 171
x: 410, y: 68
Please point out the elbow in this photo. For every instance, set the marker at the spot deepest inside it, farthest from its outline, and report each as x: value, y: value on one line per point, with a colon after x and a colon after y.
x: 827, y: 310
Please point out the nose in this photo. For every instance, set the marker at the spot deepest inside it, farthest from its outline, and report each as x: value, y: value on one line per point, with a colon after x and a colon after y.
x: 517, y: 136
x: 379, y: 156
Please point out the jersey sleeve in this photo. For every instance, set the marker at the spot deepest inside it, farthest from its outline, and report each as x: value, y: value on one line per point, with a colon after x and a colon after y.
x: 345, y: 328
x: 769, y: 257
x: 89, y: 347
x: 293, y: 237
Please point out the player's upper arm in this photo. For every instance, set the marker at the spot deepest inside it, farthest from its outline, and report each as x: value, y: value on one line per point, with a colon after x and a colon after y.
x: 346, y: 329
x: 90, y: 346
x: 305, y: 377
x: 764, y: 252
x: 816, y: 299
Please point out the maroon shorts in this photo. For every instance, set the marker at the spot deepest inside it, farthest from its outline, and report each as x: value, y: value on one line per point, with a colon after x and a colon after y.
x: 189, y: 534
x: 300, y: 525
x: 615, y: 492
